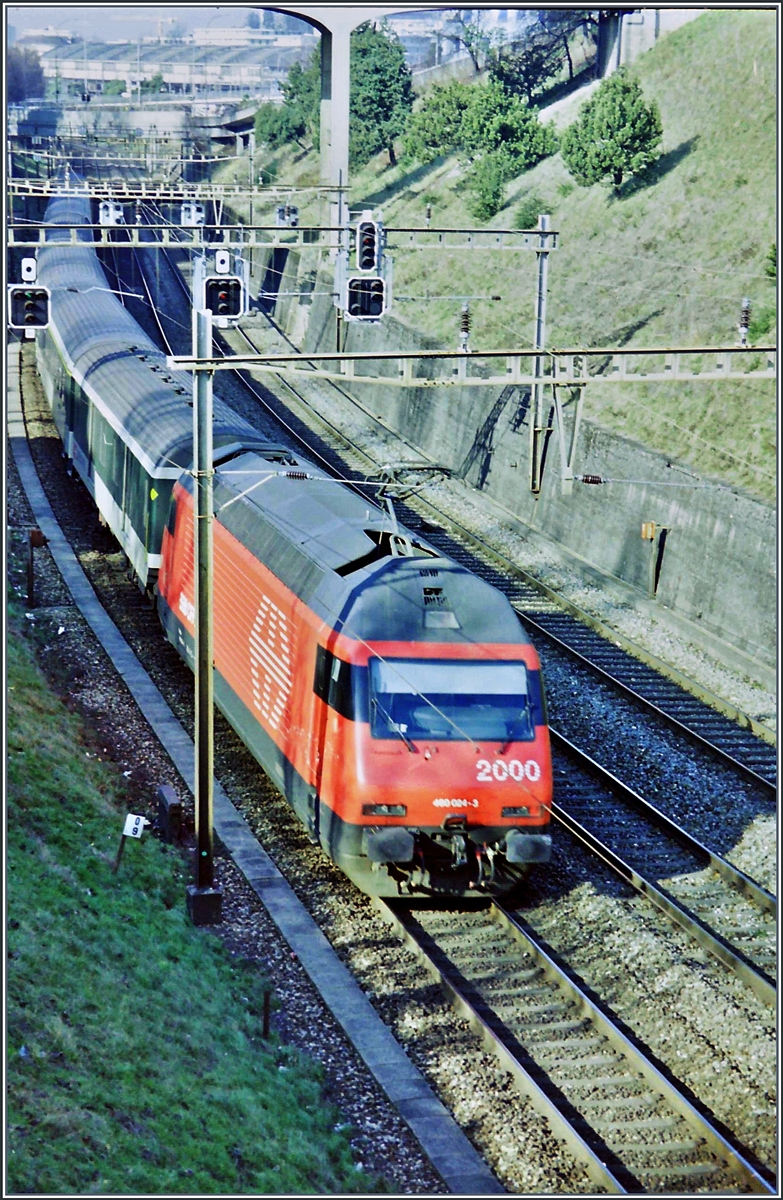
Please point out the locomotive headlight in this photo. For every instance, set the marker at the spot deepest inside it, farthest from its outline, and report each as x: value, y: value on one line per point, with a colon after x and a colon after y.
x: 516, y: 810
x: 384, y: 810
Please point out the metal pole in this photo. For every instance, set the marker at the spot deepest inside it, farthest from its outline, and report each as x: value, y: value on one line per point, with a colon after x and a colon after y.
x: 204, y: 900
x: 539, y: 338
x: 251, y: 147
x: 203, y: 562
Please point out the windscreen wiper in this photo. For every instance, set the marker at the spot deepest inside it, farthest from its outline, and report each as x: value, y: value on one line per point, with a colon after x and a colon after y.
x: 395, y: 727
x: 515, y: 729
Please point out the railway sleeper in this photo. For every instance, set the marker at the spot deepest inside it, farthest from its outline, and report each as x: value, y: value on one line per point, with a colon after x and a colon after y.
x: 525, y: 976
x: 574, y: 1026
x: 571, y: 1044
x: 580, y: 1062
x: 671, y: 1175
x: 642, y: 1124
x: 618, y: 1103
x: 523, y: 995
x: 603, y: 1081
x: 629, y: 1150
x: 532, y: 1013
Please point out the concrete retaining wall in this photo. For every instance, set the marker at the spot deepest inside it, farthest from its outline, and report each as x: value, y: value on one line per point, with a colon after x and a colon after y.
x: 712, y: 560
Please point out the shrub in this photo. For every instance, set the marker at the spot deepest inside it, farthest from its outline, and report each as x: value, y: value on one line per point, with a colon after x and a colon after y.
x: 487, y: 184
x: 761, y: 324
x: 526, y: 216
x: 771, y: 265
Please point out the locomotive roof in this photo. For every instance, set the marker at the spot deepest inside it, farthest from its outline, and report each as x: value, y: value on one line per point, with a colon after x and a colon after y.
x: 332, y: 548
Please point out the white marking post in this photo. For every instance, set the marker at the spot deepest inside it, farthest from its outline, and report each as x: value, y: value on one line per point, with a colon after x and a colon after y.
x: 134, y: 827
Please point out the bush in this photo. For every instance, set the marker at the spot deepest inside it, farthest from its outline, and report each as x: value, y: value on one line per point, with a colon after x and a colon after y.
x: 487, y: 185
x: 761, y: 324
x: 476, y: 121
x: 498, y: 123
x: 526, y: 216
x: 771, y: 265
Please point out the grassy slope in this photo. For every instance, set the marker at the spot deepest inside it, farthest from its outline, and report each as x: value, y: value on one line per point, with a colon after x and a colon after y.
x: 134, y: 1058
x: 666, y: 263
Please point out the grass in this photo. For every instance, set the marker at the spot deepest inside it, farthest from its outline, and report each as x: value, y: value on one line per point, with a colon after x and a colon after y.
x: 134, y: 1057
x: 665, y: 262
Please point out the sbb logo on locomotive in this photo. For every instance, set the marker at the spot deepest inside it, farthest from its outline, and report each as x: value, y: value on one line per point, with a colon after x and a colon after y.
x: 270, y: 662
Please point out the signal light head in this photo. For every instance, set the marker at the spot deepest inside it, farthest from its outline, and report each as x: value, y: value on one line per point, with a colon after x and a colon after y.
x: 28, y: 307
x: 366, y: 298
x: 224, y: 295
x: 368, y: 245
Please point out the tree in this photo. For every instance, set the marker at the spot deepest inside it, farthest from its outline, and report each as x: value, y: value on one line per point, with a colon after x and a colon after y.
x: 253, y: 20
x: 381, y: 93
x: 152, y: 86
x: 616, y: 133
x: 562, y: 24
x: 435, y: 128
x: 470, y: 33
x: 298, y: 116
x: 381, y: 98
x: 527, y: 66
x: 495, y: 134
x: 500, y: 124
x: 24, y: 74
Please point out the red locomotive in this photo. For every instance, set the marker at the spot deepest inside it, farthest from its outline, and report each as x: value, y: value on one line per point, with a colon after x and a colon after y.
x: 390, y: 694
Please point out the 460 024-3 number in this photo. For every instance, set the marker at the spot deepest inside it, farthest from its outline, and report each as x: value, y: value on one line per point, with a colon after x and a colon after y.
x: 500, y: 770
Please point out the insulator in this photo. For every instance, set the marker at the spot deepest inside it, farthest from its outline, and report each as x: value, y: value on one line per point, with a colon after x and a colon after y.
x: 590, y: 479
x: 295, y: 474
x: 464, y: 322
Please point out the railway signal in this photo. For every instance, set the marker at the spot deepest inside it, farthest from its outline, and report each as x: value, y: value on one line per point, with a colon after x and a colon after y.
x: 366, y: 298
x: 28, y: 307
x: 368, y: 246
x: 224, y: 295
x: 287, y: 216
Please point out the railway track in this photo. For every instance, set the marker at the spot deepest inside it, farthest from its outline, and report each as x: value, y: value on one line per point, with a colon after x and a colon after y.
x: 727, y: 913
x: 625, y: 1119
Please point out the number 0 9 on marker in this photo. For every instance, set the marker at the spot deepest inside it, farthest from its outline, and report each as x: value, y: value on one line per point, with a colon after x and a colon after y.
x: 134, y: 826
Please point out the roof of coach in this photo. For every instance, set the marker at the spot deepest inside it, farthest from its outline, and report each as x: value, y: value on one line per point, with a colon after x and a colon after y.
x: 330, y: 547
x: 116, y: 359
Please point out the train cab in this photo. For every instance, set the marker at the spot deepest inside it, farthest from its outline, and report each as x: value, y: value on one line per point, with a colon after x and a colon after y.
x: 436, y: 760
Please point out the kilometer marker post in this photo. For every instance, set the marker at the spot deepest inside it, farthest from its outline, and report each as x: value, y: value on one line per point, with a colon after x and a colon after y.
x: 204, y: 900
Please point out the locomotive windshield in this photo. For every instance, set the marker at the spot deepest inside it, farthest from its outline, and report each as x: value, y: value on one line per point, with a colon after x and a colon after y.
x: 449, y: 700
